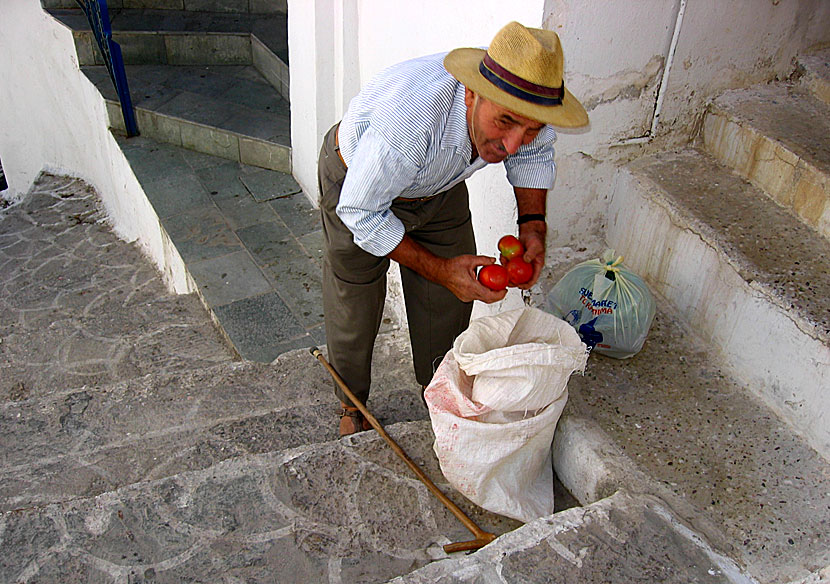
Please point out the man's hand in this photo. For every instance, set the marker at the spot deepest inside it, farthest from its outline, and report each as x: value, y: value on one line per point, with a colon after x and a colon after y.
x: 461, y: 279
x: 532, y: 236
x: 457, y: 274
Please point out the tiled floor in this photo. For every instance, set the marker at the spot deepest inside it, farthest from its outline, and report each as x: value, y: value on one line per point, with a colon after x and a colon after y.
x: 250, y: 238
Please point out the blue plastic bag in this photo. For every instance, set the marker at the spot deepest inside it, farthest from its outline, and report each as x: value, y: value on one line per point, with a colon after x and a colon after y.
x: 610, y: 307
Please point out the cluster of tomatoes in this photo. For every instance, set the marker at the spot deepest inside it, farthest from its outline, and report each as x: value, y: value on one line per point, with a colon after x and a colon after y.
x: 513, y: 269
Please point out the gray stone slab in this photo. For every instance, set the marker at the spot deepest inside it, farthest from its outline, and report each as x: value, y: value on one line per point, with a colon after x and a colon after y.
x: 210, y: 140
x: 140, y: 48
x: 195, y: 108
x: 242, y: 211
x: 313, y: 245
x: 228, y: 278
x: 222, y: 180
x: 151, y: 160
x: 299, y: 279
x: 266, y: 185
x: 269, y: 243
x: 84, y: 442
x: 264, y: 154
x: 175, y: 194
x: 78, y: 306
x: 202, y: 233
x: 298, y: 213
x: 253, y: 91
x: 162, y: 128
x: 264, y: 125
x: 208, y: 49
x: 260, y: 327
x: 620, y: 539
x: 301, y: 512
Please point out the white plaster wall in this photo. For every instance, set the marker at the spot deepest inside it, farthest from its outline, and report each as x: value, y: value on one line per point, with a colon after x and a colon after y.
x: 52, y: 118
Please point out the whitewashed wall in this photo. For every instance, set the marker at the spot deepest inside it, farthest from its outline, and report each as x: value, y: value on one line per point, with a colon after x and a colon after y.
x: 615, y: 53
x: 52, y: 118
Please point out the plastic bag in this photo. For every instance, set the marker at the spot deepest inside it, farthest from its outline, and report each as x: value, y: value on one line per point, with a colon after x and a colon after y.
x: 610, y: 306
x: 494, y: 403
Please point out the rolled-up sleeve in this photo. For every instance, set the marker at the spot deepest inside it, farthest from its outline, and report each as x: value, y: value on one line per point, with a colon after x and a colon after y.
x: 533, y: 166
x: 377, y: 175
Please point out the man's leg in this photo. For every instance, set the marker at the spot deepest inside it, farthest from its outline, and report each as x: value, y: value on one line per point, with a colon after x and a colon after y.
x: 435, y: 315
x: 354, y: 285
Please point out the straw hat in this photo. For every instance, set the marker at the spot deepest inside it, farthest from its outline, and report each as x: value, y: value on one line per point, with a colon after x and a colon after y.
x: 521, y: 70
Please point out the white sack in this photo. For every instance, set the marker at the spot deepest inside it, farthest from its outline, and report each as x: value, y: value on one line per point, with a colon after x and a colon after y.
x: 494, y: 403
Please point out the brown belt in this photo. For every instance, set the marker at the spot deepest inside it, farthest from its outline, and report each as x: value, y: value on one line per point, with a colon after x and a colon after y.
x: 337, y: 146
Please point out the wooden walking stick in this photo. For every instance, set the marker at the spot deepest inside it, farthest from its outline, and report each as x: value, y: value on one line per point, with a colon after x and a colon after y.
x: 482, y: 537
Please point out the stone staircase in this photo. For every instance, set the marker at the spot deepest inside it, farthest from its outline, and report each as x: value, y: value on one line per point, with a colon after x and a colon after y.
x: 138, y: 448
x: 209, y: 82
x: 734, y: 233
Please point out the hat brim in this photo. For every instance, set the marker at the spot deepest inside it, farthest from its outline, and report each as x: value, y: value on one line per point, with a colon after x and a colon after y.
x: 463, y: 65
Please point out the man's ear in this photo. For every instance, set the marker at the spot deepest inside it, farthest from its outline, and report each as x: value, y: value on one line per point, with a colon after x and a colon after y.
x: 469, y: 97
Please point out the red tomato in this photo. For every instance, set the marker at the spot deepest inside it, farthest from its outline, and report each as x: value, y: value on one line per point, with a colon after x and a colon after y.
x: 493, y: 276
x: 510, y: 247
x: 519, y: 271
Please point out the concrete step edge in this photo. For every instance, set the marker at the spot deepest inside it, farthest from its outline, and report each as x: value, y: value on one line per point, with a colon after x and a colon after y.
x: 814, y: 71
x: 557, y: 544
x: 252, y: 7
x: 790, y: 179
x: 205, y: 139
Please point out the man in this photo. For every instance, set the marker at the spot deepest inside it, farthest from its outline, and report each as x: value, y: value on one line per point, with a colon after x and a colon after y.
x: 392, y: 187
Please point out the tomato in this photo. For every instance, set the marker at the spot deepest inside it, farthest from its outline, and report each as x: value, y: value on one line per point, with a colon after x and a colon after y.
x: 493, y: 276
x: 510, y: 247
x: 519, y: 271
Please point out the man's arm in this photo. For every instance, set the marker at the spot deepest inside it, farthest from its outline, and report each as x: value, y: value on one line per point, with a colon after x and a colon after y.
x: 457, y: 274
x: 532, y: 234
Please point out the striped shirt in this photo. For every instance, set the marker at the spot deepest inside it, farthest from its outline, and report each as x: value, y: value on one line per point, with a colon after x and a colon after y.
x: 405, y: 135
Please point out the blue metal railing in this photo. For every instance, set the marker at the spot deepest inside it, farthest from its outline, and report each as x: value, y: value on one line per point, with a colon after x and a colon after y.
x: 98, y: 15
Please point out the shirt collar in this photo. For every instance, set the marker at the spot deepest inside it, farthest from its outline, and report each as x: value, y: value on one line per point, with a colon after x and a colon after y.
x: 456, y: 134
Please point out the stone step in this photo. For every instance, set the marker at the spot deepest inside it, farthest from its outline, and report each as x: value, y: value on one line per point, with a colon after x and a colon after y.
x: 705, y: 457
x: 85, y: 442
x: 189, y: 38
x: 776, y: 137
x: 249, y: 239
x: 814, y: 70
x: 79, y: 307
x: 746, y: 275
x: 234, y: 6
x: 347, y: 510
x: 674, y: 423
x: 213, y: 82
x: 624, y: 538
x: 226, y: 111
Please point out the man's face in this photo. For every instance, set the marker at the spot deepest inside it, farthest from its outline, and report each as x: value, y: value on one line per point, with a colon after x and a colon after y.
x: 497, y: 132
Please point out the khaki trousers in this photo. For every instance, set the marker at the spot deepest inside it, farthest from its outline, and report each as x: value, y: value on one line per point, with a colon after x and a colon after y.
x: 354, y: 281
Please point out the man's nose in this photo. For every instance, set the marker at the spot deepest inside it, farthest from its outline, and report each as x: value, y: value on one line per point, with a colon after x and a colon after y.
x: 513, y: 140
